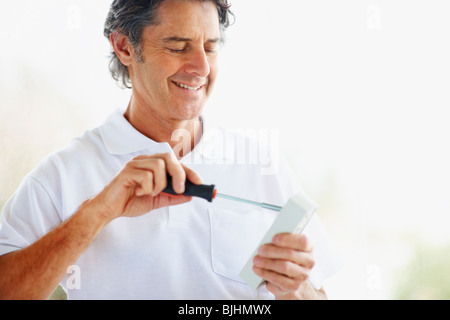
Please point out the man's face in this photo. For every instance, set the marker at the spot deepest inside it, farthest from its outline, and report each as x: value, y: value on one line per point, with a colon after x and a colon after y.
x: 179, y: 64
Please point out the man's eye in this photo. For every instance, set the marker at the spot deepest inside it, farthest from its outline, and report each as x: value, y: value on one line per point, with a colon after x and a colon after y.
x: 176, y: 50
x: 212, y: 49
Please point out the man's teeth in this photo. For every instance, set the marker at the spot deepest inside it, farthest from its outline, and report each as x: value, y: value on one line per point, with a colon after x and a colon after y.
x: 187, y: 87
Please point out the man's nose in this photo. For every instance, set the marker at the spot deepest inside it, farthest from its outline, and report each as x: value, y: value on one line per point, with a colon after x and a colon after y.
x: 198, y: 64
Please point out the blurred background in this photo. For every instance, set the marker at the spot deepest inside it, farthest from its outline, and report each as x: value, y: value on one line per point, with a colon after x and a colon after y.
x: 357, y: 89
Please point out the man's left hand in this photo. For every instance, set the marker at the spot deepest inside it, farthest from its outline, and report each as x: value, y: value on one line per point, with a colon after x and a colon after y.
x: 286, y: 264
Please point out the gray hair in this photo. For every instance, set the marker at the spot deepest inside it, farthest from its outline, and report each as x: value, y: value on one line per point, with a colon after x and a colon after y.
x: 131, y: 17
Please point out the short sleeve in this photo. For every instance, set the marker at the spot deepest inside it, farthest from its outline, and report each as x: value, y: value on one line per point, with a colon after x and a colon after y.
x: 29, y: 215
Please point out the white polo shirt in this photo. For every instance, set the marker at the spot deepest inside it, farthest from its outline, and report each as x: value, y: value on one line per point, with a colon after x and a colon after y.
x: 190, y: 251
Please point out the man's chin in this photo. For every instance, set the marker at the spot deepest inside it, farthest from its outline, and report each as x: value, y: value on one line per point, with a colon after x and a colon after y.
x: 189, y: 112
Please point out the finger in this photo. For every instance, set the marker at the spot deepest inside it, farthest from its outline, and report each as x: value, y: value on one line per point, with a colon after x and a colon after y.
x: 176, y: 171
x: 285, y: 284
x: 293, y: 241
x: 160, y: 173
x: 166, y: 200
x: 276, y: 290
x: 283, y: 267
x: 146, y: 183
x: 161, y: 165
x: 281, y: 294
x: 180, y: 173
x: 192, y: 176
x: 270, y: 251
x: 157, y: 166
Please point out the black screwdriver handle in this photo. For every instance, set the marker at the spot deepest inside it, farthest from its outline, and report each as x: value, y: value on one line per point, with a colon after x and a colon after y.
x: 192, y: 190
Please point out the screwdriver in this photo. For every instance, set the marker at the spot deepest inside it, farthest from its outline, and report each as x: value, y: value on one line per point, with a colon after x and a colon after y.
x: 209, y: 193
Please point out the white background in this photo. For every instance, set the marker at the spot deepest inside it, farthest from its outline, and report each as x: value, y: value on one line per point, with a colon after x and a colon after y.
x: 359, y: 91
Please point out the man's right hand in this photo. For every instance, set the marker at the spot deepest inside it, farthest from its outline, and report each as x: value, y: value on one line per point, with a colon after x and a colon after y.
x: 136, y: 190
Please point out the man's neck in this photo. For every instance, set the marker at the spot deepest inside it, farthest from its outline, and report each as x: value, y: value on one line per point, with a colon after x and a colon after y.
x: 182, y: 135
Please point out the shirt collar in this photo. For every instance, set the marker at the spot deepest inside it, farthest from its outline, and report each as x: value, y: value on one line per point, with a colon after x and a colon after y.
x: 120, y: 137
x: 215, y: 143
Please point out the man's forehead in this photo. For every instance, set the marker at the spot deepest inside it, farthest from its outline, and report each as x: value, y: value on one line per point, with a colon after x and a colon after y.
x: 180, y: 18
x: 178, y: 33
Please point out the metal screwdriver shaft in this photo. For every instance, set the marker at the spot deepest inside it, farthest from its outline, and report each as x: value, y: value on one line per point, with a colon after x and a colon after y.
x: 209, y: 193
x: 258, y: 204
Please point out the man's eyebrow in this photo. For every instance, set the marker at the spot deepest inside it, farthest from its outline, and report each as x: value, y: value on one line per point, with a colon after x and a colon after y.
x: 176, y: 39
x: 181, y: 39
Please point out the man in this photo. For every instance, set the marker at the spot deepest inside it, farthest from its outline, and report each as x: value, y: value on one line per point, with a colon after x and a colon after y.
x: 98, y: 204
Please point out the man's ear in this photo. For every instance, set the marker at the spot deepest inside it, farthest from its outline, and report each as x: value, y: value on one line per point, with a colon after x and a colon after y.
x: 122, y: 47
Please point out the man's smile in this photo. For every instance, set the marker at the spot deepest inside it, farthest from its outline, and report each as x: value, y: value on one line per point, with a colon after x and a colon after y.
x: 188, y: 87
